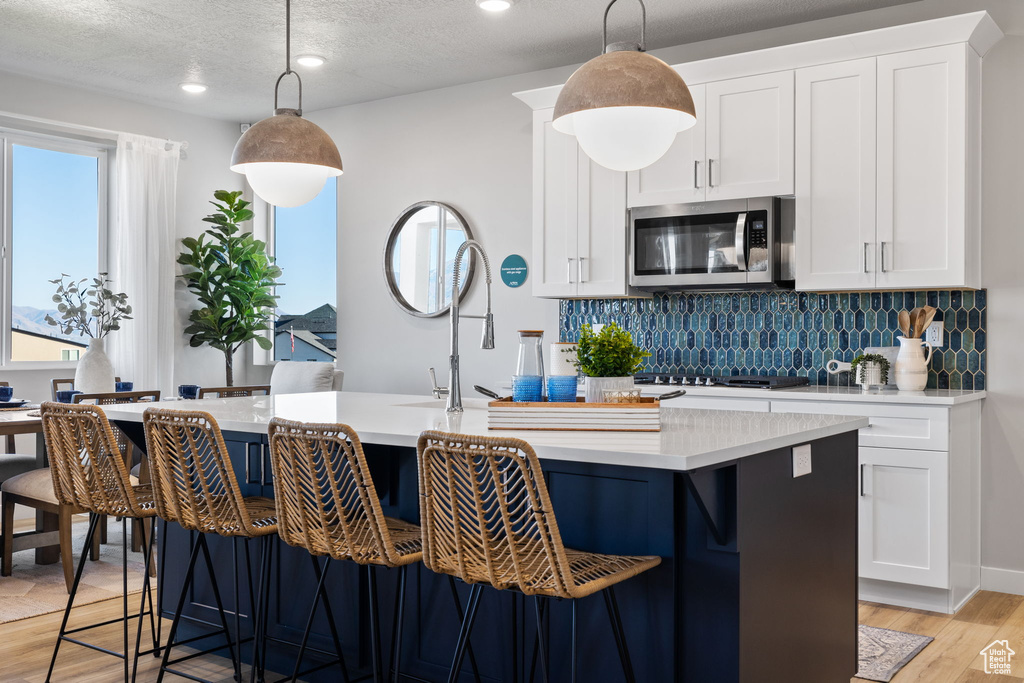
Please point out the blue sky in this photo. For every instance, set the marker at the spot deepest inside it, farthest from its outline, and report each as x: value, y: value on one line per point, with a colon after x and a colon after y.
x: 306, y: 250
x: 55, y: 222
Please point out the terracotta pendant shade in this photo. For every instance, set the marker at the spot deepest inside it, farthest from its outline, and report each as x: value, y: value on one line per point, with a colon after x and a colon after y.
x: 625, y: 78
x: 286, y: 137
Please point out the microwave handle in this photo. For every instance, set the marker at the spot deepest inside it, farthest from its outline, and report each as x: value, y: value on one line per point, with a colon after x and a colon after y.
x: 741, y: 241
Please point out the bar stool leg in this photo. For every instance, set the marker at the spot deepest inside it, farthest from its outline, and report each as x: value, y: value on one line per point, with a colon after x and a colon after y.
x: 458, y: 613
x: 330, y: 621
x: 620, y: 635
x: 375, y: 655
x: 572, y: 676
x: 177, y: 611
x: 262, y: 596
x: 161, y: 574
x: 540, y: 638
x: 147, y: 591
x: 321, y: 577
x: 220, y: 608
x: 396, y: 628
x: 93, y: 523
x: 124, y: 591
x: 465, y: 632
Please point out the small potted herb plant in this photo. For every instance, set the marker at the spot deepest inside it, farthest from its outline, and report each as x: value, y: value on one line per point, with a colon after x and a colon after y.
x: 609, y: 359
x: 870, y: 369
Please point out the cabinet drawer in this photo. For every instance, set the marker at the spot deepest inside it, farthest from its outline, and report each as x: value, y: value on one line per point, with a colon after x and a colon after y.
x: 751, y: 405
x: 892, y: 426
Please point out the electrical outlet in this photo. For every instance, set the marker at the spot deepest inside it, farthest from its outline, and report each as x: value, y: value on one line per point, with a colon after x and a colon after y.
x: 934, y: 334
x: 801, y: 460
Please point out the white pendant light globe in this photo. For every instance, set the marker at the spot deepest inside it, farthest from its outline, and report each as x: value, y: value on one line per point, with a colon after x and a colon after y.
x: 625, y: 106
x: 284, y: 184
x: 628, y: 138
x: 285, y: 158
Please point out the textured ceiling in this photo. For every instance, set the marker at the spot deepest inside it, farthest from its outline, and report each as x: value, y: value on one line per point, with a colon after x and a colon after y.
x: 142, y: 49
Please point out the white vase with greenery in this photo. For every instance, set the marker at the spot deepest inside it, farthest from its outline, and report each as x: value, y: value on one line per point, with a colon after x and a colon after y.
x: 609, y: 359
x: 92, y: 310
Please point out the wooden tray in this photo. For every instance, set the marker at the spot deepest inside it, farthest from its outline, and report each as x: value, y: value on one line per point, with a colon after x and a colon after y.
x: 642, y: 416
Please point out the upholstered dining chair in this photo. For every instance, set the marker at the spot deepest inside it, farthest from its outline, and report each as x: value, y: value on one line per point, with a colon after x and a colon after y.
x: 65, y: 384
x: 298, y: 377
x: 11, y: 462
x: 487, y: 520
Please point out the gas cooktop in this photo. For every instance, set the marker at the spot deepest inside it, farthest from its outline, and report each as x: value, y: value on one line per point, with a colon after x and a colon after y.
x: 741, y: 381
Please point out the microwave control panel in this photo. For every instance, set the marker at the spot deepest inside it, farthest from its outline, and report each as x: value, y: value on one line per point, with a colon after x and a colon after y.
x: 757, y: 243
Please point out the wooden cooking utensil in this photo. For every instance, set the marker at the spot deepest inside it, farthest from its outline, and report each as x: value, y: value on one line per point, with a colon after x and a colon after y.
x: 915, y: 323
x: 904, y: 318
x: 927, y: 316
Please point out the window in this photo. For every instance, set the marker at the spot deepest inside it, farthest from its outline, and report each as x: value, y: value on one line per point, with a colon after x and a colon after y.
x: 54, y: 200
x: 304, y: 242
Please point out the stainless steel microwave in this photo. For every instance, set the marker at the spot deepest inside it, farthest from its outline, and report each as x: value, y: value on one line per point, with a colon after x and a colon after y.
x: 735, y: 244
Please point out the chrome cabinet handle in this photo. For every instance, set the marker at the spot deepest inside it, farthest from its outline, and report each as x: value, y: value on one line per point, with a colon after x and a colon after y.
x: 863, y: 478
x: 568, y: 271
x: 883, y: 257
x: 867, y: 245
x: 696, y: 174
x: 579, y: 269
x: 711, y: 166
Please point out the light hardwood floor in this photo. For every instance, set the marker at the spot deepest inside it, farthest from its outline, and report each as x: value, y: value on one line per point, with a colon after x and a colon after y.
x: 25, y: 646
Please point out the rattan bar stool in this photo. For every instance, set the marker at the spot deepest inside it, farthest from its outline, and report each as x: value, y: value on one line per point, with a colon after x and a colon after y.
x: 195, y: 486
x: 327, y: 504
x: 89, y: 474
x: 487, y: 519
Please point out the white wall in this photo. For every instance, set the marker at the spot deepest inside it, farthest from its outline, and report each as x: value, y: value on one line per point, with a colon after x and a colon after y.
x: 470, y: 145
x: 204, y: 170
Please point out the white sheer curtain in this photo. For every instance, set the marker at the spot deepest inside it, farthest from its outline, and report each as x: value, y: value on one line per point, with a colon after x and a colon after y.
x: 142, y: 259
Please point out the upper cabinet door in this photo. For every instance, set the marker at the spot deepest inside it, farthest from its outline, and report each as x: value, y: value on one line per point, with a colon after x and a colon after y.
x: 601, y: 268
x: 750, y: 137
x: 679, y: 177
x: 835, y: 176
x: 922, y: 164
x: 555, y: 209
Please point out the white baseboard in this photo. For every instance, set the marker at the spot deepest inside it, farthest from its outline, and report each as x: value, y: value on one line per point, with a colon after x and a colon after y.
x: 1002, y: 580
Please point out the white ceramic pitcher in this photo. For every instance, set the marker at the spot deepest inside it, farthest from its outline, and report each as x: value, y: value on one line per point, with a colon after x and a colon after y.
x: 912, y: 364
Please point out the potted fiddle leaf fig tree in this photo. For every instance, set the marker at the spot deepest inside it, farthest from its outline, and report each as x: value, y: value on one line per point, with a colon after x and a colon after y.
x: 609, y: 359
x: 233, y: 278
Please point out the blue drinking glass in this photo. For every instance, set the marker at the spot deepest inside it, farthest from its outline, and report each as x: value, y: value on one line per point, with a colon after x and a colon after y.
x: 562, y: 389
x: 66, y: 395
x: 527, y: 388
x: 6, y: 393
x: 124, y: 386
x: 188, y: 391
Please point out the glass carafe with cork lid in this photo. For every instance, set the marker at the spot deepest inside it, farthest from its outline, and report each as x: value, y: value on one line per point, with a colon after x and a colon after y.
x: 528, y: 382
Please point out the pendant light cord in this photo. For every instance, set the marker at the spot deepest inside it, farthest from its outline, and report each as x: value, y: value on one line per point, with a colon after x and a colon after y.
x: 643, y: 27
x: 288, y: 53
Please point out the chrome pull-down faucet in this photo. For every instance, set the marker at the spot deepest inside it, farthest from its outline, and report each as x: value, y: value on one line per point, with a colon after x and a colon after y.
x: 487, y: 337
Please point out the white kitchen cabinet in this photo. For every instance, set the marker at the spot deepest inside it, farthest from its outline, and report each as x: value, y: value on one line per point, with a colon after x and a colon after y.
x: 679, y: 177
x: 741, y: 147
x: 750, y: 136
x: 904, y: 516
x: 835, y: 176
x: 927, y: 232
x: 579, y: 219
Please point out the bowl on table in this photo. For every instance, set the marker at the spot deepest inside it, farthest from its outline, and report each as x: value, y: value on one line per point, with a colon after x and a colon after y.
x: 188, y: 391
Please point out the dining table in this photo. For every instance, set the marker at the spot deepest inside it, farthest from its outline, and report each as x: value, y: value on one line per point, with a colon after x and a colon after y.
x: 26, y: 420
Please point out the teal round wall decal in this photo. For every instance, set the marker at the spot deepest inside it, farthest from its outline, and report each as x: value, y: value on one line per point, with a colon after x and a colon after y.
x: 514, y: 270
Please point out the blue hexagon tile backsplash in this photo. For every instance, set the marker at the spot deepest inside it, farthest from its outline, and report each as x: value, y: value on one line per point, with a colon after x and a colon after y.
x: 787, y: 333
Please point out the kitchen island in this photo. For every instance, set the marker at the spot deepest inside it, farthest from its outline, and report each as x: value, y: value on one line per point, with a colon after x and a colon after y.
x: 759, y: 574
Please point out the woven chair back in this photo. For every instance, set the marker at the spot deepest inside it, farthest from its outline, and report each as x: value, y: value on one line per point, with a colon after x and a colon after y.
x: 86, y: 462
x: 232, y: 392
x: 325, y: 497
x: 193, y: 481
x: 106, y: 399
x: 486, y: 515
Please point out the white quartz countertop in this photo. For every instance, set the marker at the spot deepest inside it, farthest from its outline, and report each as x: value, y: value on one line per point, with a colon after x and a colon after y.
x: 824, y: 393
x: 688, y: 439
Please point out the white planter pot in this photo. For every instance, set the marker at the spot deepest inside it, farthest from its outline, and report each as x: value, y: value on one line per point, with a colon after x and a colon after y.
x: 912, y: 364
x: 869, y: 375
x: 94, y: 374
x: 596, y: 386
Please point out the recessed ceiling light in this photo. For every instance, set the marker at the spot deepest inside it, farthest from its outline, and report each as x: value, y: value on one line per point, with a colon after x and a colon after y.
x: 494, y: 5
x: 193, y: 87
x: 310, y: 60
